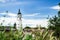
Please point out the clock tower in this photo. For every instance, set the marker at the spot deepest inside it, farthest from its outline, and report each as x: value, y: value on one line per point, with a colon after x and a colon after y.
x: 19, y: 20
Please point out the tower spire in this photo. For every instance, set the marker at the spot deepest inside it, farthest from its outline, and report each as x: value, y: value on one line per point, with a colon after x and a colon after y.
x: 19, y: 11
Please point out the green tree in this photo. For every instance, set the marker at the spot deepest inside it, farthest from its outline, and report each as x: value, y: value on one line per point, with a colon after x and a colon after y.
x: 55, y: 25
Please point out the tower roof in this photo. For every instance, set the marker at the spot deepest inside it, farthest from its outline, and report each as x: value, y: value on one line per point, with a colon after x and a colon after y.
x: 19, y: 11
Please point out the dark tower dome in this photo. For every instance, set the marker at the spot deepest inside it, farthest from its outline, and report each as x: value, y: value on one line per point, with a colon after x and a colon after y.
x: 19, y: 11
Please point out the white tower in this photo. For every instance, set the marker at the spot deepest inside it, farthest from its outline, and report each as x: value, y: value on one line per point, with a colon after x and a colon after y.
x: 19, y: 20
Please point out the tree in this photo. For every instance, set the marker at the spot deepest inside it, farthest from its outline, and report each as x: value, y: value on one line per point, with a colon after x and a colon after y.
x: 15, y: 25
x: 55, y: 25
x: 27, y: 27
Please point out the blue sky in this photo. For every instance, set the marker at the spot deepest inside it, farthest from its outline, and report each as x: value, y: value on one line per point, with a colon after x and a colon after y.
x: 29, y: 6
x: 30, y: 9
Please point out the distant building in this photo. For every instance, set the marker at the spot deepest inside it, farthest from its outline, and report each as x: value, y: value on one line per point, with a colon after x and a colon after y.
x: 17, y: 24
x: 19, y: 20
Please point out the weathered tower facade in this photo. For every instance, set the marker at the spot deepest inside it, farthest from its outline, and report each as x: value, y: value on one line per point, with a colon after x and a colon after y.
x: 59, y: 11
x: 19, y: 20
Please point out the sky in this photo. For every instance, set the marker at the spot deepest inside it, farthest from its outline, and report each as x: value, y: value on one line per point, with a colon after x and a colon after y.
x: 34, y: 12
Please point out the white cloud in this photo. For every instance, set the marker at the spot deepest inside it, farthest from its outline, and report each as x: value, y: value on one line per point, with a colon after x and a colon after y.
x: 4, y: 1
x: 34, y: 14
x: 34, y: 22
x: 12, y: 14
x: 9, y: 14
x: 13, y: 3
x: 29, y: 22
x: 55, y: 7
x: 37, y: 15
x: 8, y: 20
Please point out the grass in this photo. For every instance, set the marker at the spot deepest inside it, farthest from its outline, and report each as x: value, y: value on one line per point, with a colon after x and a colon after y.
x: 19, y: 35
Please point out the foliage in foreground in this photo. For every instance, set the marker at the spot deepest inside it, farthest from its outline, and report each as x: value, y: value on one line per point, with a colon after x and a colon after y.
x: 55, y: 25
x: 18, y: 35
x: 11, y: 35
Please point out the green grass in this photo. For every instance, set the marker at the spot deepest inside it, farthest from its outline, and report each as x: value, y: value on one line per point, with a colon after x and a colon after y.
x: 19, y: 35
